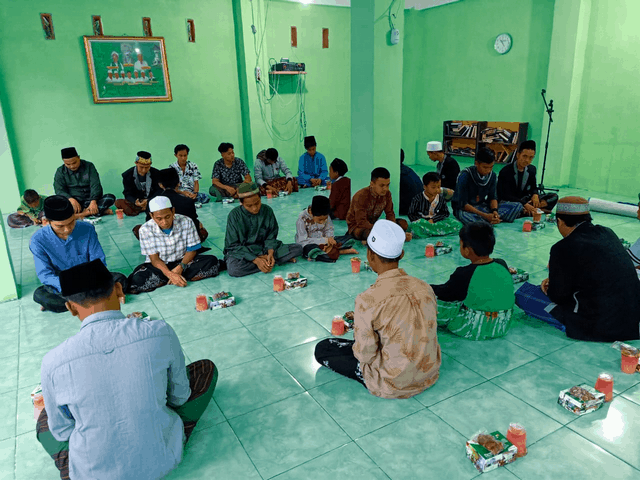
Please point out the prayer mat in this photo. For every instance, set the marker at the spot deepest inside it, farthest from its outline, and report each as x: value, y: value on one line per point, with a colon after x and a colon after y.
x: 424, y: 229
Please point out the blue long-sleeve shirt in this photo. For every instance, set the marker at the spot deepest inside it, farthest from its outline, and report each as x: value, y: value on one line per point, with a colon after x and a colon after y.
x: 312, y: 167
x: 52, y: 254
x: 107, y: 391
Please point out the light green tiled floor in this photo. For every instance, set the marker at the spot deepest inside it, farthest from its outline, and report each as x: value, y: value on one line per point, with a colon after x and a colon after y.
x: 277, y: 414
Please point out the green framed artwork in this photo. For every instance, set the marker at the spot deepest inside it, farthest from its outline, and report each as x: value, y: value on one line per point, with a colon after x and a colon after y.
x: 128, y: 69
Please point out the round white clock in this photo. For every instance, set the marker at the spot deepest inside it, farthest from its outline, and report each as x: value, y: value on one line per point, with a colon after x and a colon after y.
x: 503, y: 43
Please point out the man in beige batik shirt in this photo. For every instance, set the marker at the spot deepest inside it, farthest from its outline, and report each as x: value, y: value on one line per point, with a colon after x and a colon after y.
x: 395, y: 352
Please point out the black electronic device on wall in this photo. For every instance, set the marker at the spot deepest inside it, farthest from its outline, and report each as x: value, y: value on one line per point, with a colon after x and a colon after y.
x: 288, y: 67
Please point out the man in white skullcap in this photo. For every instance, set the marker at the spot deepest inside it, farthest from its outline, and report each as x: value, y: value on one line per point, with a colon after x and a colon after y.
x: 171, y: 243
x: 592, y: 289
x: 447, y: 168
x: 395, y: 352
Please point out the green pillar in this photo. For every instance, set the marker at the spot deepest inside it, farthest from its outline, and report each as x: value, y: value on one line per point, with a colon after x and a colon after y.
x: 7, y: 280
x: 564, y: 86
x: 376, y: 92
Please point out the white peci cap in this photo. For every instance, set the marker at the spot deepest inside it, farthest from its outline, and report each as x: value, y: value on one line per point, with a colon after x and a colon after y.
x: 159, y: 203
x: 434, y: 147
x: 386, y: 239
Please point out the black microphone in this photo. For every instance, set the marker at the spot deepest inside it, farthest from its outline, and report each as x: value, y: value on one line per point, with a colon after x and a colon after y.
x: 544, y: 91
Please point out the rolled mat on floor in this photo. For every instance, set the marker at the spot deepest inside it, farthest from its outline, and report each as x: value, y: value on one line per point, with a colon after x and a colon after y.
x: 615, y: 208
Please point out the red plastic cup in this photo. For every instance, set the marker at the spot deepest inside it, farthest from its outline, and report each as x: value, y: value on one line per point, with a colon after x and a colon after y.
x: 628, y: 363
x: 269, y: 195
x: 430, y: 250
x: 604, y: 384
x: 120, y: 213
x: 278, y: 283
x: 518, y: 436
x: 337, y: 326
x: 355, y: 265
x: 527, y: 226
x: 202, y: 303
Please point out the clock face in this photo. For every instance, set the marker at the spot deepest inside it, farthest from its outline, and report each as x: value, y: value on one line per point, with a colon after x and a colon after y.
x: 503, y: 43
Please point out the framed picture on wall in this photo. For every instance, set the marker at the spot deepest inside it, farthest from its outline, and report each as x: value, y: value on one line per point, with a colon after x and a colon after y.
x: 128, y: 69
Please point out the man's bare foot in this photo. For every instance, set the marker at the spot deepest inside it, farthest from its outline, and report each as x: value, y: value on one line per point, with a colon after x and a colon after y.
x: 293, y: 260
x: 122, y: 300
x: 349, y: 251
x: 108, y: 211
x: 42, y: 309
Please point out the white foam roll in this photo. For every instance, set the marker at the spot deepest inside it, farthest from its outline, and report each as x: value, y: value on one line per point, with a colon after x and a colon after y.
x: 604, y: 206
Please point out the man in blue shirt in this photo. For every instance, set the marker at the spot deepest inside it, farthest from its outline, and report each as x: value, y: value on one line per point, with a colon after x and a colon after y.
x: 312, y: 166
x: 119, y: 402
x: 62, y: 244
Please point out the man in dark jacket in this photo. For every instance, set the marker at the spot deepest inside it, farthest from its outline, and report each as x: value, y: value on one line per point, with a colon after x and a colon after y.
x: 592, y: 283
x: 410, y: 185
x: 79, y: 182
x: 517, y: 182
x: 140, y: 184
x: 168, y: 182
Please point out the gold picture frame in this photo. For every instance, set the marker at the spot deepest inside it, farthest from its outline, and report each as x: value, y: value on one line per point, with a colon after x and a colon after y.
x: 120, y: 73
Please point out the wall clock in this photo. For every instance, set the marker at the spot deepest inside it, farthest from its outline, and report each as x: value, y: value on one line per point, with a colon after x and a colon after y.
x: 503, y: 43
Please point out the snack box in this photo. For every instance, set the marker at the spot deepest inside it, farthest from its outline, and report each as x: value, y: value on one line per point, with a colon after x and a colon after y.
x: 518, y: 275
x: 368, y: 267
x: 484, y: 460
x: 292, y: 283
x: 283, y: 194
x: 348, y: 320
x: 228, y: 200
x: 619, y: 346
x: 221, y: 300
x: 141, y: 315
x: 442, y: 249
x: 537, y: 226
x: 578, y: 406
x: 197, y: 205
x: 93, y: 220
x: 320, y: 189
x: 550, y: 217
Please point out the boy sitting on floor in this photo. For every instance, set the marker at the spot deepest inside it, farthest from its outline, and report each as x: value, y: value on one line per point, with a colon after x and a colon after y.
x: 477, y: 301
x: 476, y: 196
x: 395, y: 352
x: 30, y: 211
x: 428, y: 212
x: 314, y: 233
x: 340, y: 197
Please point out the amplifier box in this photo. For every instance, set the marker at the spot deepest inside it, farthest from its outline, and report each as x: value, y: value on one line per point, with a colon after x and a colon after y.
x: 288, y: 67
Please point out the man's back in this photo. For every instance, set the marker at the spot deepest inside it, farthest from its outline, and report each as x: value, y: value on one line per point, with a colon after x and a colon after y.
x: 410, y: 186
x: 593, y: 277
x: 106, y: 389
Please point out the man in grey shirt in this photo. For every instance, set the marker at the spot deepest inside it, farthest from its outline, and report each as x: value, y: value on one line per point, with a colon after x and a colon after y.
x: 267, y: 168
x: 117, y: 394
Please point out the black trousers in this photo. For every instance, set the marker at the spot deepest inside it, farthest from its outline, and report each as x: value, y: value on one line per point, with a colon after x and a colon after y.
x: 52, y: 301
x: 324, y: 258
x: 550, y: 198
x: 105, y: 202
x: 146, y: 277
x: 337, y: 354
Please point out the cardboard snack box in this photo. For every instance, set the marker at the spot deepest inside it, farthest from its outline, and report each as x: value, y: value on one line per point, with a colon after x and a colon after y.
x: 537, y: 226
x: 141, y: 315
x: 581, y: 406
x: 485, y: 460
x: 293, y: 283
x: 320, y: 189
x: 283, y: 194
x: 228, y: 200
x: 367, y: 267
x: 222, y: 300
x: 518, y: 275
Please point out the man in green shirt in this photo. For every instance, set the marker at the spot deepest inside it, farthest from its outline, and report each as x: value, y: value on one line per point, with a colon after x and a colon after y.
x: 78, y: 180
x: 251, y: 244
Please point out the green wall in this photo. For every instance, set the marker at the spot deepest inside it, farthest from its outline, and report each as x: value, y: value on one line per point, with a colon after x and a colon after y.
x: 452, y: 72
x: 46, y: 95
x: 607, y: 152
x: 7, y: 280
x: 327, y: 84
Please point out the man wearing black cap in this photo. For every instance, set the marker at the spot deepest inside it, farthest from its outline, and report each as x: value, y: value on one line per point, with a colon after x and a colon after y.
x: 140, y: 184
x: 119, y: 401
x: 78, y: 180
x: 62, y: 244
x: 312, y: 166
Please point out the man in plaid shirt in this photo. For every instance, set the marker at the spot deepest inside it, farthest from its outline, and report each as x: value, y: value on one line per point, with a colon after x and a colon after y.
x: 171, y: 244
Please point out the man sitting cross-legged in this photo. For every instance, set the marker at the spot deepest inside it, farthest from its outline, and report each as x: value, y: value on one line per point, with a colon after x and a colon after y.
x: 368, y: 204
x: 251, y: 243
x: 62, y: 244
x: 78, y: 180
x: 396, y: 352
x: 119, y: 401
x: 267, y: 168
x: 592, y: 289
x: 170, y: 242
x: 476, y: 196
x: 169, y: 181
x: 517, y: 182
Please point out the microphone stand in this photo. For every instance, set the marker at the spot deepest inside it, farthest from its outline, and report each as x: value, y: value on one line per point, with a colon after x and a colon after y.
x: 549, y: 108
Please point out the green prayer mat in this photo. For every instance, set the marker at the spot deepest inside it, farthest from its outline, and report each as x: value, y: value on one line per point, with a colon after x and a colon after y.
x: 316, y: 252
x: 473, y: 324
x: 423, y: 229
